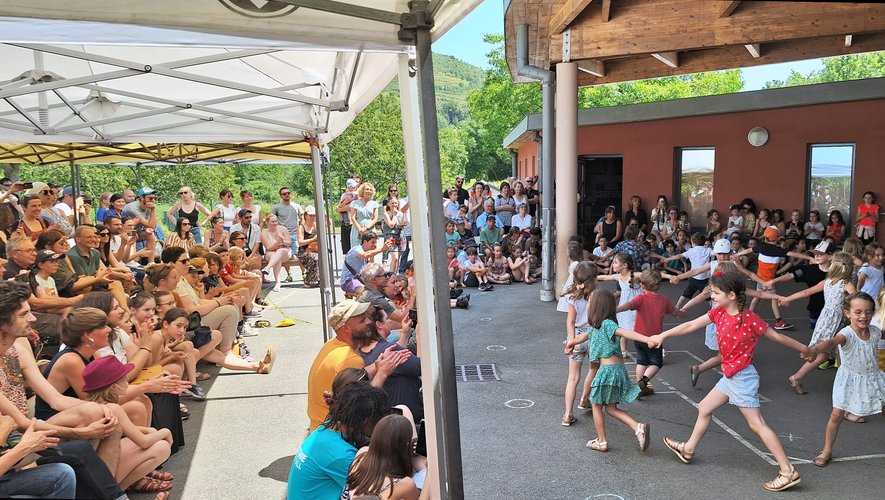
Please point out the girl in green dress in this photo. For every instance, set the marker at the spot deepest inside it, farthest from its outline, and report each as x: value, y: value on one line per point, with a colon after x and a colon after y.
x: 611, y: 385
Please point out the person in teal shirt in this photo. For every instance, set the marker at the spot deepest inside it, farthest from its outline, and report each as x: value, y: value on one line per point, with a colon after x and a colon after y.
x: 319, y: 469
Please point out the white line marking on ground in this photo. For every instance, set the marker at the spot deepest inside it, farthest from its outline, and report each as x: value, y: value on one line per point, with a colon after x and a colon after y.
x: 496, y: 348
x: 606, y: 495
x: 485, y: 319
x: 722, y: 425
x: 840, y: 459
x: 791, y: 437
x: 519, y: 404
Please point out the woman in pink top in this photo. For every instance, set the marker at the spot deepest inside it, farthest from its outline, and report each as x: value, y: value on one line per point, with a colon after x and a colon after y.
x: 867, y: 218
x: 737, y: 332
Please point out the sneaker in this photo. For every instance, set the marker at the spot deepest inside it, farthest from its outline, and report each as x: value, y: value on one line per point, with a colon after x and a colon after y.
x: 248, y: 331
x: 266, y: 364
x: 782, y: 325
x: 195, y: 392
x: 483, y: 287
x: 826, y: 365
x: 278, y: 286
x: 463, y: 302
x: 644, y: 389
x: 254, y: 313
x: 288, y: 278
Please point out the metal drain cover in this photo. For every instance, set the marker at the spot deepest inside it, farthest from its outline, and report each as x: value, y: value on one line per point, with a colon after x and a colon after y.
x: 482, y: 372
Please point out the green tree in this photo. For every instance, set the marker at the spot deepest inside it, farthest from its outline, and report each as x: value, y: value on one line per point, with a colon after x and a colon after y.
x: 850, y: 67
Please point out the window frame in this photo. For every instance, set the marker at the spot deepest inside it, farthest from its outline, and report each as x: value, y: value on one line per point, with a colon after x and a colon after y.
x: 677, y: 186
x: 848, y: 217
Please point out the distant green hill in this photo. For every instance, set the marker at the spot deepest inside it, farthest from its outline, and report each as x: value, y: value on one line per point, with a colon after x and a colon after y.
x: 454, y: 80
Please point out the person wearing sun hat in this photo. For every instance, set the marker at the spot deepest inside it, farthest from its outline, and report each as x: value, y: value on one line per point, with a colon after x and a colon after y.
x: 770, y: 257
x: 350, y: 319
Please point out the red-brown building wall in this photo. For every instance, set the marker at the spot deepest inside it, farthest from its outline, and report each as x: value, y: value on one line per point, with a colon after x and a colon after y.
x: 774, y: 175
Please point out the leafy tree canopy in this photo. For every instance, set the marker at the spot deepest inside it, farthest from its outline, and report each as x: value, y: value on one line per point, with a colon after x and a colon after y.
x: 851, y: 67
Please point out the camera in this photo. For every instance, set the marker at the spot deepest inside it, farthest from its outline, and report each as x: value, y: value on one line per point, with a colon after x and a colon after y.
x: 413, y: 315
x: 27, y: 185
x: 87, y: 200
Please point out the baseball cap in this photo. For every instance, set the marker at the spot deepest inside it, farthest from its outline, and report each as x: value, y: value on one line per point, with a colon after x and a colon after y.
x: 722, y: 246
x: 243, y: 212
x: 310, y: 210
x: 67, y: 191
x: 146, y: 191
x: 771, y: 233
x: 195, y: 269
x: 47, y: 255
x: 824, y: 247
x: 351, y: 183
x: 345, y: 310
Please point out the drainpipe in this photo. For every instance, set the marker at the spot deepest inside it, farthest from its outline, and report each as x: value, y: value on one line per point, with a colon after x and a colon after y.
x: 514, y: 163
x: 547, y: 79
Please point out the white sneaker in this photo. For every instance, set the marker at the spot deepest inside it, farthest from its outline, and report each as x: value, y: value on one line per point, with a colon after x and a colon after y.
x: 278, y: 287
x: 248, y: 331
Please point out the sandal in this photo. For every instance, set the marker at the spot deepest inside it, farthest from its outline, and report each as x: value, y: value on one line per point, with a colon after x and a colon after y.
x: 642, y: 435
x: 585, y: 405
x: 821, y: 460
x: 678, y: 448
x: 201, y: 376
x: 149, y: 485
x: 160, y: 475
x: 567, y: 421
x: 797, y: 386
x: 854, y: 418
x: 163, y: 495
x: 695, y: 374
x: 783, y: 481
x: 183, y: 412
x: 597, y: 445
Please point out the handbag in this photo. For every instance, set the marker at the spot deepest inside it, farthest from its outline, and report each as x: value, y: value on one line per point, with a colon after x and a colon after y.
x: 194, y: 321
x: 201, y: 336
x: 312, y: 247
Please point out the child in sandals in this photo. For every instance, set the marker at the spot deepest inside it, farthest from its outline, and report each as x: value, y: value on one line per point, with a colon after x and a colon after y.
x: 859, y: 387
x: 737, y: 331
x: 612, y: 384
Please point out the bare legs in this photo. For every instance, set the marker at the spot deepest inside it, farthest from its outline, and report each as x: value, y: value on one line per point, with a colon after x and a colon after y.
x: 613, y: 411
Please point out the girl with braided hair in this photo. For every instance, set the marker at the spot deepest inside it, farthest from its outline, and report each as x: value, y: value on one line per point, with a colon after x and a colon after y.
x: 737, y: 332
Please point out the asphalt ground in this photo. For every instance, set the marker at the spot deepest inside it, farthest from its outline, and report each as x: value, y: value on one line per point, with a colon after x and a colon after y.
x: 241, y: 440
x: 513, y: 445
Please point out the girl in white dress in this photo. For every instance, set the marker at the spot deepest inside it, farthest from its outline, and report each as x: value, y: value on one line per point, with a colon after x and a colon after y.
x: 859, y: 387
x: 628, y: 285
x: 835, y: 287
x: 575, y: 252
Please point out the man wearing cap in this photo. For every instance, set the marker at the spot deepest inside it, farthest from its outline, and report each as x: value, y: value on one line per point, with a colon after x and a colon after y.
x: 144, y: 212
x: 770, y: 256
x: 77, y: 420
x: 811, y: 274
x: 349, y: 319
x: 343, y: 210
x: 250, y: 230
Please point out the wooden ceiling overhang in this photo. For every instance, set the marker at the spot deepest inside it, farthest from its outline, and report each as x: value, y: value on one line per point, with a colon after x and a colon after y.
x: 625, y: 40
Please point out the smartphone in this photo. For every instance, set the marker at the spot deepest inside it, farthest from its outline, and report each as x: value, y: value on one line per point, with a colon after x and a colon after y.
x: 132, y: 233
x: 87, y: 200
x: 27, y: 185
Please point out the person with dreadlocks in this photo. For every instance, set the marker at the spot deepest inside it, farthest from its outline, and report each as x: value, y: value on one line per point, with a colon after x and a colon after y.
x: 737, y: 332
x: 319, y: 469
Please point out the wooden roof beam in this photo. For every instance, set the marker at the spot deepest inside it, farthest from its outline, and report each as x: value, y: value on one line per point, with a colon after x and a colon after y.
x: 754, y: 49
x: 606, y: 10
x: 570, y: 10
x: 726, y: 8
x: 594, y: 67
x: 669, y: 58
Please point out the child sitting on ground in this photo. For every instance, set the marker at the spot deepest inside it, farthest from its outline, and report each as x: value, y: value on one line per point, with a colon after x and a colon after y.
x: 474, y: 272
x: 603, y: 255
x: 498, y: 270
x: 650, y: 307
x: 453, y: 239
x: 519, y: 267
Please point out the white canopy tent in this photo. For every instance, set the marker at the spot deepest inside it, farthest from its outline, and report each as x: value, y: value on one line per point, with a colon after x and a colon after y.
x: 103, y: 81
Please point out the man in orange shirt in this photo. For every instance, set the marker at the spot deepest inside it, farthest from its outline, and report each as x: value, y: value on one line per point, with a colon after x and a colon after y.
x: 349, y: 319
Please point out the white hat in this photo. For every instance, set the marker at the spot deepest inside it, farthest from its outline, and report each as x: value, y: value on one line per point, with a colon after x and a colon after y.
x: 38, y: 186
x: 823, y: 247
x: 345, y: 310
x: 310, y: 210
x: 722, y: 246
x: 352, y: 183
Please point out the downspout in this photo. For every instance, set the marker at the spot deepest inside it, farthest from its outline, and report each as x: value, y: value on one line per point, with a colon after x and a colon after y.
x: 514, y: 163
x: 547, y: 79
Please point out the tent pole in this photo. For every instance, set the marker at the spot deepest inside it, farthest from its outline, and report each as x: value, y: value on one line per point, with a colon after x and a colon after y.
x: 323, y: 254
x: 437, y: 350
x: 75, y: 190
x: 330, y: 236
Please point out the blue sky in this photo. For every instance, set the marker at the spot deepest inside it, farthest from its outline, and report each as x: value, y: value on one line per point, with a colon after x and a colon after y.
x: 464, y: 41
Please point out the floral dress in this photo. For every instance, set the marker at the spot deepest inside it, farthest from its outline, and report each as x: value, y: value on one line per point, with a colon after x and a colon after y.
x: 859, y: 386
x: 612, y: 384
x: 831, y: 315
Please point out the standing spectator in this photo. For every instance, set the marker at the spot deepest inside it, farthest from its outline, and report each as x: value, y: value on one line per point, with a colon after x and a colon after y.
x: 50, y: 214
x: 225, y: 209
x: 395, y: 220
x: 519, y: 194
x: 363, y: 213
x: 187, y: 207
x: 144, y: 212
x: 343, y: 210
x: 289, y: 216
x: 636, y: 211
x: 278, y: 246
x: 247, y: 203
x: 392, y: 192
x: 659, y: 215
x: 463, y: 194
x: 475, y: 201
x: 308, y: 248
x: 867, y: 218
x: 534, y: 197
x: 505, y: 206
x: 451, y: 205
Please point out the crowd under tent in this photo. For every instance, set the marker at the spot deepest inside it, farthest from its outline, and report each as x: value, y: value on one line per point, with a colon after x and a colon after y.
x: 241, y: 80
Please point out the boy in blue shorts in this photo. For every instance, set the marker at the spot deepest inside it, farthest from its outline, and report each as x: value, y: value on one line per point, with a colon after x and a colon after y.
x: 650, y: 307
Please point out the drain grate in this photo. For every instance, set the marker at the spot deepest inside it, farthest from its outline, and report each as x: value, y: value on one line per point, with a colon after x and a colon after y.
x: 481, y: 372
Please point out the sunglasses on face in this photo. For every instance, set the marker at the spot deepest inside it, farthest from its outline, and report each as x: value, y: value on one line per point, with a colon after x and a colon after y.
x: 47, y: 192
x: 287, y: 193
x: 104, y: 234
x: 185, y: 224
x: 240, y: 238
x: 151, y: 198
x: 182, y: 193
